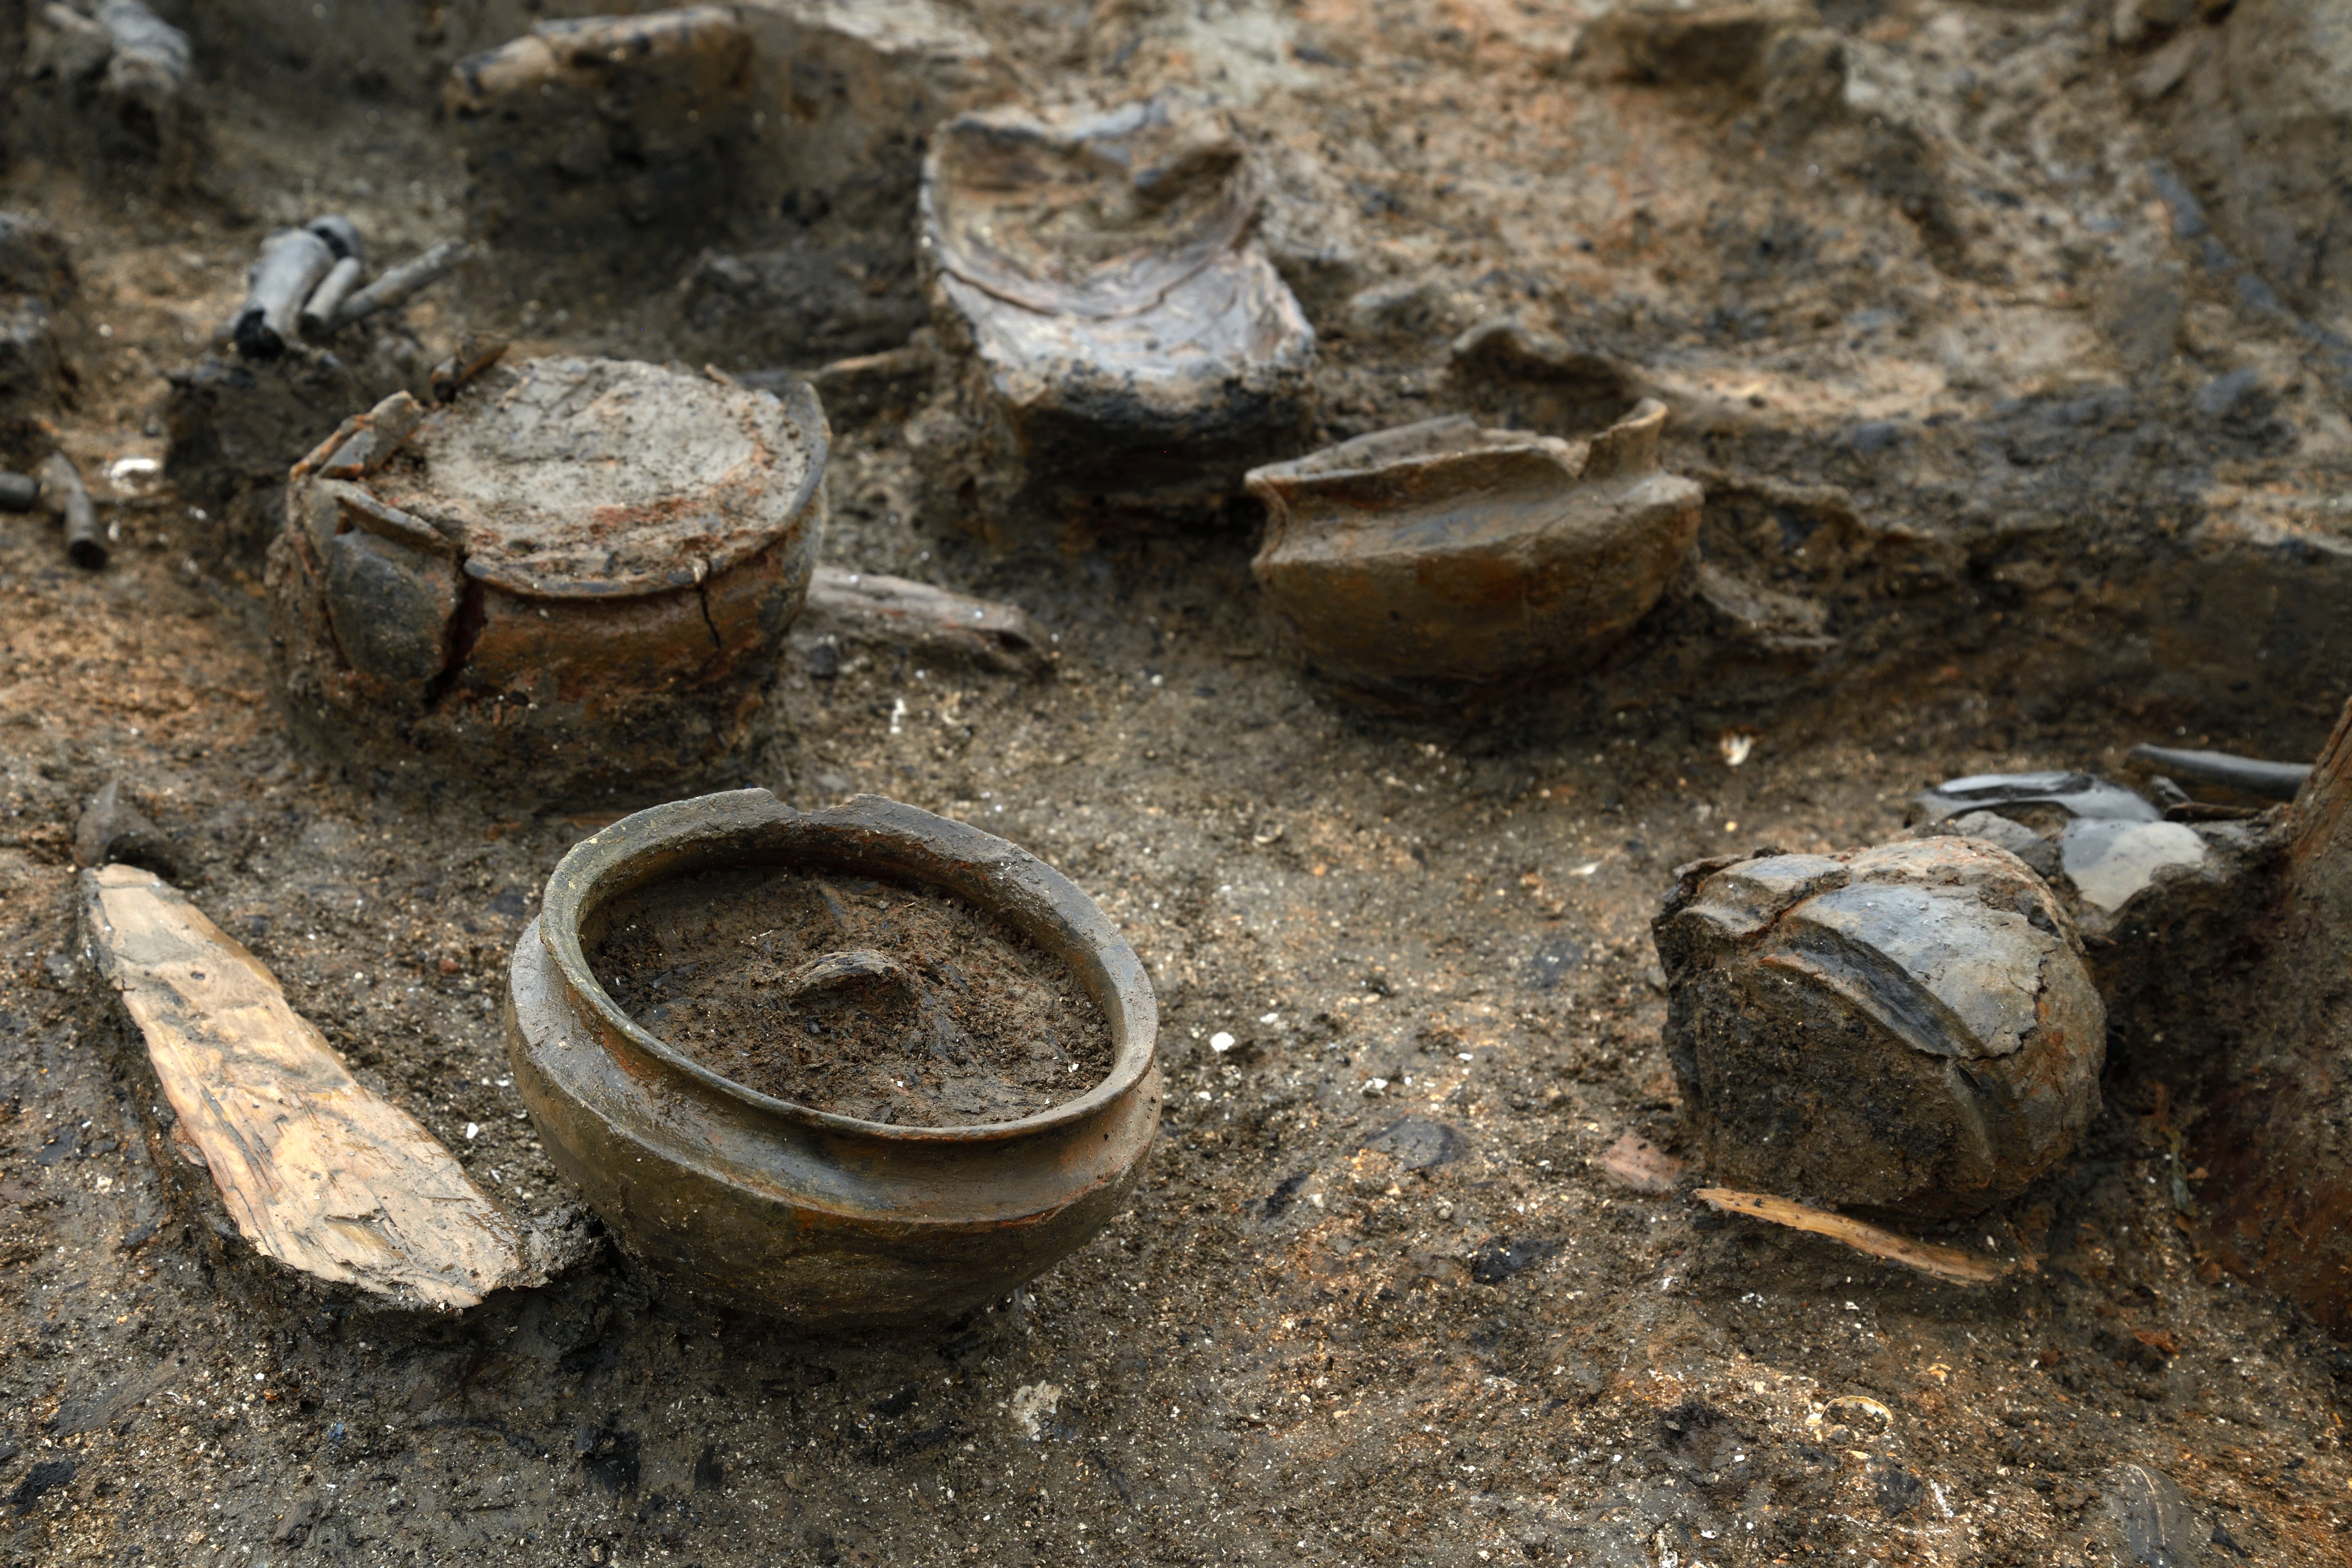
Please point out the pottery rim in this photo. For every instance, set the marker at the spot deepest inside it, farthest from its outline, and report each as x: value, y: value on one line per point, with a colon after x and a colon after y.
x: 1068, y: 923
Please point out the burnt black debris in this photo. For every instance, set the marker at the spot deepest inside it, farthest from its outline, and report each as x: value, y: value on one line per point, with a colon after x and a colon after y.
x: 2243, y: 775
x: 64, y: 493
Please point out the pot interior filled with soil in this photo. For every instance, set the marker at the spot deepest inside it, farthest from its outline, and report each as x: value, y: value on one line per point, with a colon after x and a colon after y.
x: 861, y: 1065
x: 854, y: 996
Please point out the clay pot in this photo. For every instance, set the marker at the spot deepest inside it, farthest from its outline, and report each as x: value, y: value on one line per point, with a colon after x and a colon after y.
x: 1125, y: 336
x: 751, y: 1202
x: 1911, y: 1027
x: 573, y: 580
x: 1430, y: 563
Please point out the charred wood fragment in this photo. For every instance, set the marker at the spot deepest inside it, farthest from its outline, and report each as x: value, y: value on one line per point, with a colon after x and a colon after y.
x: 62, y: 488
x: 399, y: 284
x: 293, y: 263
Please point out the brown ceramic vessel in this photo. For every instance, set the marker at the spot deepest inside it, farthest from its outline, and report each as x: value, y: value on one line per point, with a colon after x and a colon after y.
x: 751, y: 1202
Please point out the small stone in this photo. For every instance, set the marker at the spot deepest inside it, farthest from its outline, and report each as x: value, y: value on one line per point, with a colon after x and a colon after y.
x: 1416, y: 1143
x: 2020, y: 840
x: 2144, y: 1521
x: 1873, y: 436
x: 2236, y: 397
x: 2109, y: 862
x: 114, y: 830
x: 1907, y: 1027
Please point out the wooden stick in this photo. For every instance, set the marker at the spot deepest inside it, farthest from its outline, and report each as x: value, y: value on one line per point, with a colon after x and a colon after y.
x: 1946, y: 1263
x: 64, y: 493
x: 292, y: 263
x: 399, y: 283
x: 327, y: 300
x: 2247, y: 775
x: 319, y: 1173
x: 998, y: 635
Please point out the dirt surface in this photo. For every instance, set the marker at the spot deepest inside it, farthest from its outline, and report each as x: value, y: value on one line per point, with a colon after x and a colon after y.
x: 940, y: 1016
x: 2017, y: 453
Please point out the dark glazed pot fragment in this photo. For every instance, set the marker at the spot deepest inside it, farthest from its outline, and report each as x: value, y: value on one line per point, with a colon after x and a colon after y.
x: 755, y: 1203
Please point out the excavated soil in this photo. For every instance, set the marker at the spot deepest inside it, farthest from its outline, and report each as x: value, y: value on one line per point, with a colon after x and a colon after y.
x: 2022, y: 412
x: 975, y: 1025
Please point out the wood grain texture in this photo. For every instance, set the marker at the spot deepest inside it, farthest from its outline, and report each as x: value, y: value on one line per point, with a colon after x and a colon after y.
x: 1947, y: 1263
x: 318, y: 1172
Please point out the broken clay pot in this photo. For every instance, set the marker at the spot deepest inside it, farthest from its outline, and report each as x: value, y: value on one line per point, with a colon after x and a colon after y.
x: 1426, y: 564
x: 572, y: 582
x: 1910, y: 1027
x: 1128, y: 337
x: 2091, y: 837
x: 756, y: 1203
x: 603, y: 126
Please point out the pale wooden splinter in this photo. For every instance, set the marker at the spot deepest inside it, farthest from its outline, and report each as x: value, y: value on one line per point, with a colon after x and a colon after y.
x: 1946, y: 1263
x: 318, y: 1172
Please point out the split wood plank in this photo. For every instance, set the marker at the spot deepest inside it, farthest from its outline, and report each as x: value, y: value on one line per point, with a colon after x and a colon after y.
x: 318, y: 1172
x: 1947, y: 1263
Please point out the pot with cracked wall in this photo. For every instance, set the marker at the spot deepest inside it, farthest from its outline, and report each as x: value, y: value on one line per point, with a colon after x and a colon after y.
x: 1438, y: 561
x: 1911, y: 1027
x: 569, y: 583
x: 1124, y: 337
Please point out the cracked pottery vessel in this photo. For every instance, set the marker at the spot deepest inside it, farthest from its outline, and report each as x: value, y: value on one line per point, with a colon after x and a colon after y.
x: 1911, y: 1027
x: 571, y: 583
x: 755, y: 1203
x: 1124, y: 336
x: 1436, y: 563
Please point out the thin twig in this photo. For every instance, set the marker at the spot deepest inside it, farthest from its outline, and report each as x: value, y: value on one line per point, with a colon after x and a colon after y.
x: 1946, y: 1263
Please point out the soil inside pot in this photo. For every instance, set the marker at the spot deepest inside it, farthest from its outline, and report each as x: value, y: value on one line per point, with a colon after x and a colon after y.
x: 856, y: 997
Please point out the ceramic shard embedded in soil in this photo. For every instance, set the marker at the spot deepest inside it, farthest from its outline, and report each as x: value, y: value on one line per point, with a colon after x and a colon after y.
x: 574, y: 577
x: 1125, y: 335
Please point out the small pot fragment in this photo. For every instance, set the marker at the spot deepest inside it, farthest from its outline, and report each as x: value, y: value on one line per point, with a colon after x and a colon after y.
x: 109, y: 90
x: 752, y: 1202
x: 1128, y: 338
x: 574, y: 578
x: 1910, y: 1027
x: 1432, y: 562
x: 2093, y: 838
